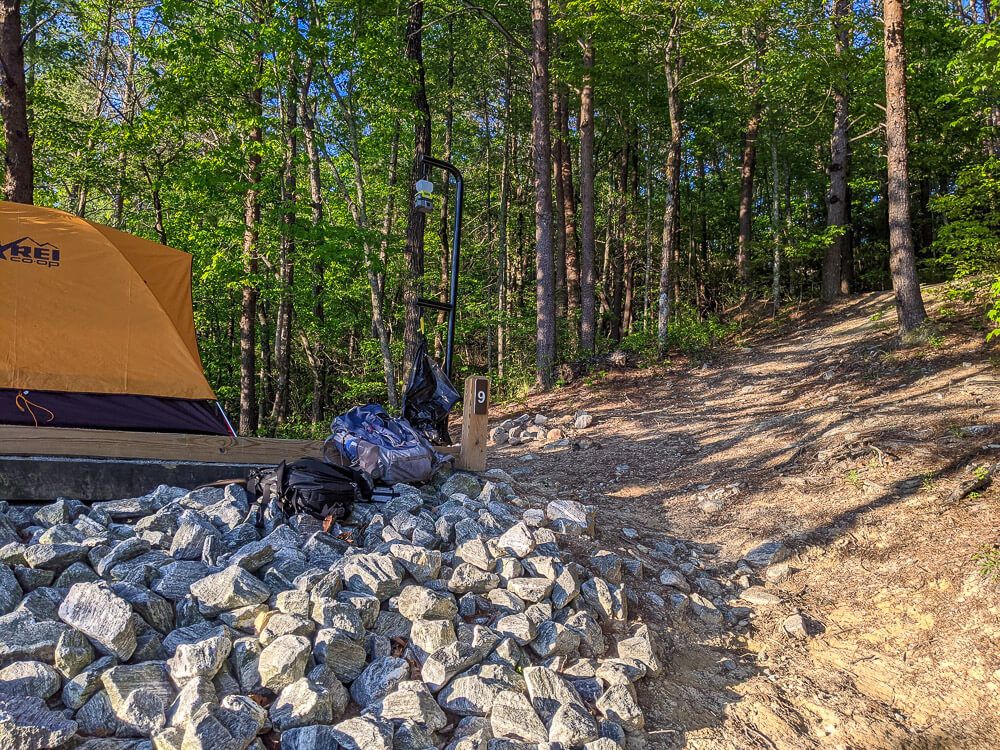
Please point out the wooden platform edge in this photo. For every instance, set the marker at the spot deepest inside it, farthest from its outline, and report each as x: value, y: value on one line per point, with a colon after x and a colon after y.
x: 161, y: 446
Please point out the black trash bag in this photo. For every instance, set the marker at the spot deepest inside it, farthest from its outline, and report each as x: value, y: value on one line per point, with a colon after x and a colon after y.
x: 429, y: 397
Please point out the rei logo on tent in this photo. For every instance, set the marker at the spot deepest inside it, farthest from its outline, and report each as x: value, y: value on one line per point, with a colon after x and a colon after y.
x: 27, y: 250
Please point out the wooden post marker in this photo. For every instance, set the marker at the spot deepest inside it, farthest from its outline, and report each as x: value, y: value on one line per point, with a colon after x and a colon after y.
x: 475, y: 420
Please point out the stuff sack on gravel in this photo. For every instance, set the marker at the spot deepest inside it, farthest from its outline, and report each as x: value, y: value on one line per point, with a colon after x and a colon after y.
x: 389, y: 450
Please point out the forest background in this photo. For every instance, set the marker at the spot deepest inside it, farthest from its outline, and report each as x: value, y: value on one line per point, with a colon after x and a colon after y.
x: 638, y: 174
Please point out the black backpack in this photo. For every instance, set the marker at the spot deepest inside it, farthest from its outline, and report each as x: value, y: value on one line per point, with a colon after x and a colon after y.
x: 310, y: 486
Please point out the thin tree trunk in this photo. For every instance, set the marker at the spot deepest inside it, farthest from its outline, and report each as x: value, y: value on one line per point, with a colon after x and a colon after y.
x: 902, y: 263
x: 618, y: 262
x: 545, y: 334
x: 749, y: 165
x: 838, y: 205
x: 286, y: 251
x: 19, y: 169
x: 569, y: 220
x: 588, y: 318
x: 390, y: 214
x: 421, y: 147
x: 775, y: 228
x: 314, y: 348
x: 118, y: 217
x: 158, y: 225
x: 251, y: 250
x: 671, y: 207
x: 505, y: 179
x: 443, y: 235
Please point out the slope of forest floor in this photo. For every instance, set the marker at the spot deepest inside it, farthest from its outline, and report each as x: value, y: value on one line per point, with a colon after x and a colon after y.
x: 827, y: 436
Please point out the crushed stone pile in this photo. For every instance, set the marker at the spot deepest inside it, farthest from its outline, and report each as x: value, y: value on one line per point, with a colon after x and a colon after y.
x: 450, y: 616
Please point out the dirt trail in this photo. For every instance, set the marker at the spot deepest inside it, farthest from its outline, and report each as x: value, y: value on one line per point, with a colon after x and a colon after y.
x: 829, y: 439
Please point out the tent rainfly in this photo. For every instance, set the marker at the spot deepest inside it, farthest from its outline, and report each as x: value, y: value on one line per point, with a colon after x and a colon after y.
x: 97, y: 329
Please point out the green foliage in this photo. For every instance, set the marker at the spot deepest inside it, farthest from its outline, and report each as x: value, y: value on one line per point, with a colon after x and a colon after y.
x: 692, y: 334
x: 987, y: 558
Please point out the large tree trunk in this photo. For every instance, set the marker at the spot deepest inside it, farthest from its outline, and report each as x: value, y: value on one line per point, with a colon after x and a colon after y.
x: 588, y: 316
x: 902, y: 264
x: 545, y: 333
x: 251, y: 234
x: 421, y: 147
x: 559, y: 223
x: 837, y: 202
x: 286, y: 252
x: 671, y: 207
x: 19, y: 169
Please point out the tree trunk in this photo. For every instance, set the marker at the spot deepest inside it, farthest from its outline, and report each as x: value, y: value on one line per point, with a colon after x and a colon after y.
x: 749, y: 166
x: 618, y: 262
x: 587, y: 302
x: 559, y: 222
x: 421, y: 147
x: 545, y: 332
x: 509, y: 156
x: 569, y: 219
x: 902, y: 263
x: 251, y: 250
x: 389, y: 217
x: 286, y: 251
x: 314, y: 348
x: 838, y: 206
x: 671, y: 207
x: 443, y: 234
x: 775, y: 228
x: 19, y: 169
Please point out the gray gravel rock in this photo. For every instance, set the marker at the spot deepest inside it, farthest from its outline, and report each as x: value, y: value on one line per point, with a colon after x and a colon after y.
x: 201, y: 659
x: 548, y: 691
x: 618, y: 704
x: 342, y: 653
x: 640, y: 647
x: 56, y: 557
x: 512, y: 716
x: 28, y: 724
x: 468, y: 578
x: 428, y: 636
x: 106, y: 619
x: 767, y: 553
x: 412, y: 701
x: 300, y: 704
x: 316, y: 737
x: 229, y: 589
x: 284, y: 661
x: 29, y: 678
x: 573, y: 726
x: 10, y: 590
x: 379, y: 679
x: 445, y: 663
x: 376, y: 574
x: 72, y: 653
x: 363, y: 733
x: 570, y: 514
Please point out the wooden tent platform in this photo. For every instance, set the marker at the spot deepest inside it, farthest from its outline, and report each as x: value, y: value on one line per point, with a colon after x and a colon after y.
x: 42, y: 463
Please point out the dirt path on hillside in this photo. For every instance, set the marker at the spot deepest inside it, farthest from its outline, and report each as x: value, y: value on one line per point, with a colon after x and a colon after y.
x: 846, y: 450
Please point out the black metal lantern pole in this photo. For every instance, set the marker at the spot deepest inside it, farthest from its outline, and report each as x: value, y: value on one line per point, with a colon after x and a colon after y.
x: 456, y: 246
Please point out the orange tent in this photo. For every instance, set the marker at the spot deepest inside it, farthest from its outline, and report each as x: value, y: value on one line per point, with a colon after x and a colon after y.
x: 97, y: 330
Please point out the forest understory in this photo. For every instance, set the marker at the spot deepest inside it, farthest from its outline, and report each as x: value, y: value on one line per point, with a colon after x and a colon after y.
x: 859, y: 456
